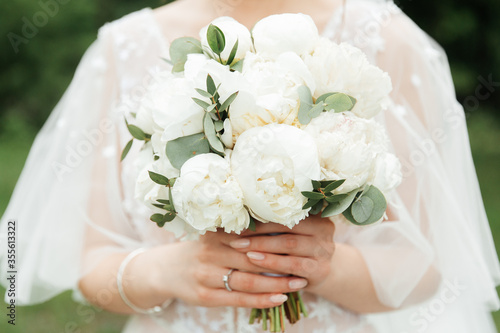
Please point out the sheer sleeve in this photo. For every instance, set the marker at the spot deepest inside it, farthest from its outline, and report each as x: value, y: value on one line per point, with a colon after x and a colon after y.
x: 47, y: 201
x: 436, y: 241
x: 73, y: 202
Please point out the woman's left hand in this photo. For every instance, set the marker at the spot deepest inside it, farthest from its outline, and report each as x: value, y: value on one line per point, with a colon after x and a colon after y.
x: 306, y: 250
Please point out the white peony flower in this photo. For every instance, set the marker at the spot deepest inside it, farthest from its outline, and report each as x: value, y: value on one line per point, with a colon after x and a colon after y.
x: 387, y: 172
x: 280, y: 33
x: 272, y: 94
x: 345, y: 68
x: 233, y: 31
x: 146, y: 190
x: 348, y: 147
x: 273, y: 164
x: 198, y: 66
x: 206, y: 196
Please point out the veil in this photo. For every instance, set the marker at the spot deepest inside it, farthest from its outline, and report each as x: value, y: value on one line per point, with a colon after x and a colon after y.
x: 434, y: 258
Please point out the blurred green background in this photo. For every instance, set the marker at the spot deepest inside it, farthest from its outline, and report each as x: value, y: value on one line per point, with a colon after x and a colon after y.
x: 34, y: 78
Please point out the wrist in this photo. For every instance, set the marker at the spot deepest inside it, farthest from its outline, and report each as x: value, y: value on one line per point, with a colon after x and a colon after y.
x: 142, y: 281
x: 335, y: 280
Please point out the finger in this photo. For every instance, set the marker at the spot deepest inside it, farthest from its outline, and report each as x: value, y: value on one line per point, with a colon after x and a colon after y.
x: 221, y: 297
x: 253, y: 283
x: 310, y: 226
x: 304, y: 267
x: 292, y: 244
x: 225, y: 256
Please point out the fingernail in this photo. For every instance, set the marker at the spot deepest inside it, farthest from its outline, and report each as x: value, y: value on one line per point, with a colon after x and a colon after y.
x: 255, y: 255
x: 240, y: 243
x: 297, y: 284
x: 278, y: 298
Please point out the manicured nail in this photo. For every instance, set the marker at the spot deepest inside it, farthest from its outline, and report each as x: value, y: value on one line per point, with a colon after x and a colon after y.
x: 240, y: 243
x: 255, y: 255
x: 297, y: 284
x: 278, y: 298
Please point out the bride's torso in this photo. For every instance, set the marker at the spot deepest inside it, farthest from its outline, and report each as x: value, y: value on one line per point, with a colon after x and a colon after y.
x: 139, y: 41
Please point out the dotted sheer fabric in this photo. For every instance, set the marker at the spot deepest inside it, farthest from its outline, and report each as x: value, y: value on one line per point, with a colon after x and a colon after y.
x: 433, y: 259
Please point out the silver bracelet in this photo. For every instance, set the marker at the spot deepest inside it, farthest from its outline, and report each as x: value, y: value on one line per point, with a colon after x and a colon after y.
x: 119, y: 281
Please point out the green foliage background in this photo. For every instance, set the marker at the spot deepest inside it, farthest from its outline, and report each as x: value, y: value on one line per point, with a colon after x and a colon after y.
x: 34, y: 78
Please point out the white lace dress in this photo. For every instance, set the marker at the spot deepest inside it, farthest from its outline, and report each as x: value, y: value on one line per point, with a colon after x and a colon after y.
x: 82, y: 204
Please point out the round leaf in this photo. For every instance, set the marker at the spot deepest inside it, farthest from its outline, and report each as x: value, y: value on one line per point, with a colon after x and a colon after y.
x: 362, y: 209
x: 181, y: 149
x: 180, y: 48
x: 336, y: 208
x: 338, y: 102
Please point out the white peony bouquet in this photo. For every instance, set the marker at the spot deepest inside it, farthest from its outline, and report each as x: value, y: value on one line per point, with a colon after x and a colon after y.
x: 269, y: 125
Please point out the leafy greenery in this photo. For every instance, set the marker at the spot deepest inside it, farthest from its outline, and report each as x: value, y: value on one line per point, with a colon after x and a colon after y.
x: 179, y: 50
x: 308, y: 109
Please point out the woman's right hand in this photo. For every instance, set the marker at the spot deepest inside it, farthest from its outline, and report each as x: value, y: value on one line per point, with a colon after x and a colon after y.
x: 193, y: 272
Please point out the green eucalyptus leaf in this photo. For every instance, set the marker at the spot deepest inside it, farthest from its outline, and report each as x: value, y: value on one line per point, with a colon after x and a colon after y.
x: 338, y: 102
x: 252, y: 225
x: 216, y: 39
x: 228, y: 102
x: 183, y: 148
x: 172, y: 181
x: 379, y: 204
x: 136, y: 132
x: 159, y: 206
x: 213, y: 140
x: 362, y: 209
x: 353, y: 101
x: 313, y: 195
x: 203, y: 93
x: 211, y: 107
x: 310, y: 203
x: 211, y: 88
x: 169, y: 216
x: 232, y: 54
x: 336, y: 208
x: 158, y: 179
x: 333, y: 185
x: 201, y: 103
x: 305, y: 104
x: 238, y: 66
x: 158, y: 218
x: 315, y: 111
x: 163, y: 201
x: 179, y: 50
x: 316, y: 209
x: 316, y: 184
x: 321, y: 99
x: 335, y: 198
x: 325, y: 183
x: 170, y: 198
x: 219, y: 125
x: 126, y: 149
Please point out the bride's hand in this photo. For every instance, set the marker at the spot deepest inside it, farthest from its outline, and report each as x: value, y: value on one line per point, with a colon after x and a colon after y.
x: 193, y: 272
x: 305, y: 251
